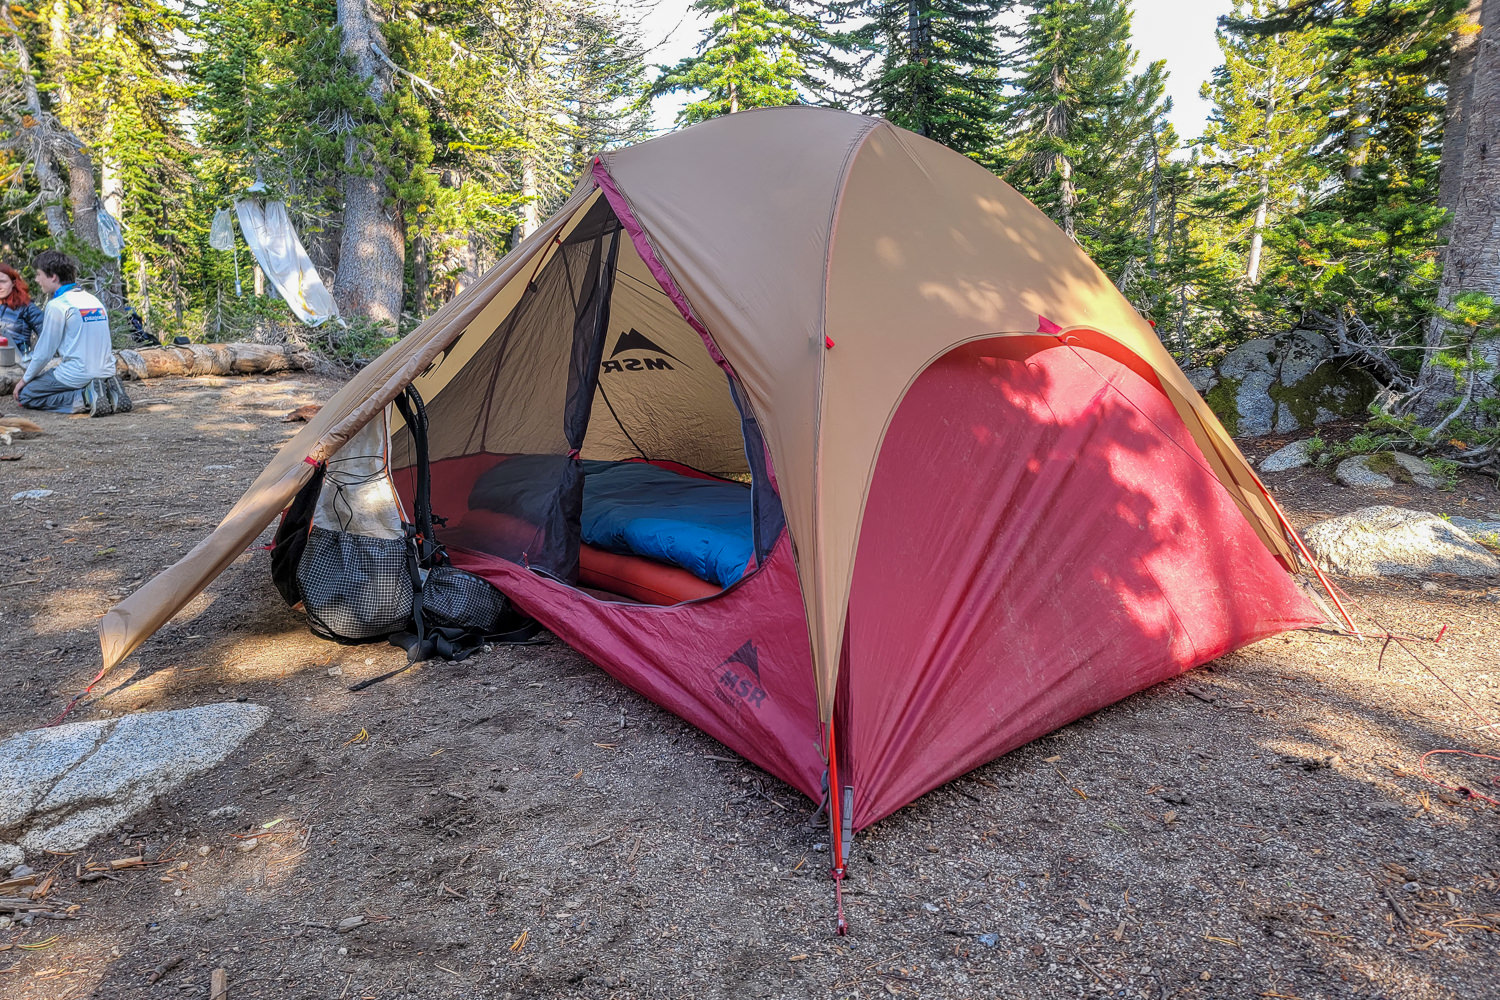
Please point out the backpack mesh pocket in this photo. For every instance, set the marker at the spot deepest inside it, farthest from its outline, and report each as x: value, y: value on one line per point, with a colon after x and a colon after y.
x: 355, y: 588
x: 452, y: 598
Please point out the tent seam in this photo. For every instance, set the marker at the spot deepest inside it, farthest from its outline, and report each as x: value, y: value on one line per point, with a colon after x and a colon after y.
x: 834, y: 210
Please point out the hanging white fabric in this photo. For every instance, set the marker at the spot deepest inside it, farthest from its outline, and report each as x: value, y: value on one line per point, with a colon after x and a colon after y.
x: 221, y: 237
x: 268, y: 230
x: 221, y: 233
x: 111, y: 236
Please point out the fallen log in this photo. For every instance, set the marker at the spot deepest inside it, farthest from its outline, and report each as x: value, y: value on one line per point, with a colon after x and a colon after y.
x: 134, y: 364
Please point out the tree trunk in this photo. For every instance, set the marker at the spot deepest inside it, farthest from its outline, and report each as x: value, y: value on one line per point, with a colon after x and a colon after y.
x: 419, y: 278
x: 60, y: 56
x: 197, y: 359
x: 111, y: 180
x: 1359, y: 137
x: 372, y: 246
x: 112, y: 200
x: 142, y: 287
x: 81, y: 194
x: 1258, y: 229
x: 916, y: 40
x: 46, y: 174
x: 211, y: 359
x: 1069, y: 197
x: 1056, y: 128
x: 734, y: 90
x: 1455, y: 114
x: 1473, y: 257
x: 1263, y: 190
x: 1155, y: 198
x: 531, y: 217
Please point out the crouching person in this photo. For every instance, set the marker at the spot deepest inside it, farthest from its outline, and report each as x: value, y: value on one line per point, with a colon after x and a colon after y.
x: 75, y: 329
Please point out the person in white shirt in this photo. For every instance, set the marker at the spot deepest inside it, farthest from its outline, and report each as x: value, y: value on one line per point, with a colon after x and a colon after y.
x: 75, y: 328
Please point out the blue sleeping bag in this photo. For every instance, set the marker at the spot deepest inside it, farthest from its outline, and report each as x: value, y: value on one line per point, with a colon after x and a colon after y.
x: 703, y: 525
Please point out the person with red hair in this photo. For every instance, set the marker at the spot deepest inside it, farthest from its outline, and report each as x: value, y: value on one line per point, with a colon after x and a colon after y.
x: 20, y: 319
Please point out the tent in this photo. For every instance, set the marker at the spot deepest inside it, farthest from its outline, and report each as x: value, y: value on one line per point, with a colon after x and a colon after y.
x: 977, y: 498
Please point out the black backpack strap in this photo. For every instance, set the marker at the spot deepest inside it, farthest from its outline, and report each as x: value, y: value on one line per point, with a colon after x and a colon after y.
x: 414, y: 412
x: 419, y: 535
x: 291, y: 537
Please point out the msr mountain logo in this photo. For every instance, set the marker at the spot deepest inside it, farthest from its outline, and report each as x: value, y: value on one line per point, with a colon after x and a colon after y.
x: 739, y: 677
x: 633, y: 341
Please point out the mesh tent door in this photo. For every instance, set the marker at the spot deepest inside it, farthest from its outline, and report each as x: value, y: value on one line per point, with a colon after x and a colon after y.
x: 511, y: 423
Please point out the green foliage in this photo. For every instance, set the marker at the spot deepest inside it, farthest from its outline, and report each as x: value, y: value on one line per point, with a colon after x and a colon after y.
x: 1260, y: 137
x: 934, y: 67
x: 1087, y: 140
x: 754, y: 55
x: 1447, y: 470
x: 1311, y: 199
x: 1328, y: 455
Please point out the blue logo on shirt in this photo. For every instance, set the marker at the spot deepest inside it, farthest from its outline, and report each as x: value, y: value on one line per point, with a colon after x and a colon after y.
x: 91, y: 314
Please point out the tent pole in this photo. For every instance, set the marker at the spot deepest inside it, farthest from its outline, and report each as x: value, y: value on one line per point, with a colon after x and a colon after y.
x: 1302, y: 548
x: 836, y: 823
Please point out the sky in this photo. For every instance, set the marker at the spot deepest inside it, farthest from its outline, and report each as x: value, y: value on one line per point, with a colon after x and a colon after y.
x: 1179, y: 31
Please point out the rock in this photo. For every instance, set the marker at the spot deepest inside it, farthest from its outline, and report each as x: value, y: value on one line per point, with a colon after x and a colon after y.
x: 1302, y: 351
x: 1393, y: 541
x: 1421, y: 473
x: 1474, y: 527
x: 349, y: 923
x: 1383, y: 470
x: 66, y: 785
x: 1355, y: 472
x: 11, y: 857
x: 1293, y: 456
x: 1286, y: 421
x: 1202, y: 379
x: 1284, y: 383
x: 1254, y: 406
x: 1253, y: 357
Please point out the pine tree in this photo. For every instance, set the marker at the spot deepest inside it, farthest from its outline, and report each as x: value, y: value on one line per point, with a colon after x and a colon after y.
x: 1262, y: 133
x: 755, y: 54
x: 1086, y: 137
x: 1359, y: 259
x: 119, y: 89
x: 937, y: 69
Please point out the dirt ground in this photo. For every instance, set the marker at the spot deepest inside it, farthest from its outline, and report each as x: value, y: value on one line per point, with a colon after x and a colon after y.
x: 519, y: 825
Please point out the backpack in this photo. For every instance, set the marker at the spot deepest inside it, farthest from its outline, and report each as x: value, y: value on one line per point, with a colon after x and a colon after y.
x: 345, y: 554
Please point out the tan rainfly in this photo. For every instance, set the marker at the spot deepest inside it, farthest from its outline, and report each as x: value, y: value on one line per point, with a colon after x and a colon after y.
x: 831, y: 258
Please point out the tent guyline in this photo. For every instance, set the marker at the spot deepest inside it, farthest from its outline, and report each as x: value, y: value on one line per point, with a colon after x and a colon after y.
x: 995, y: 506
